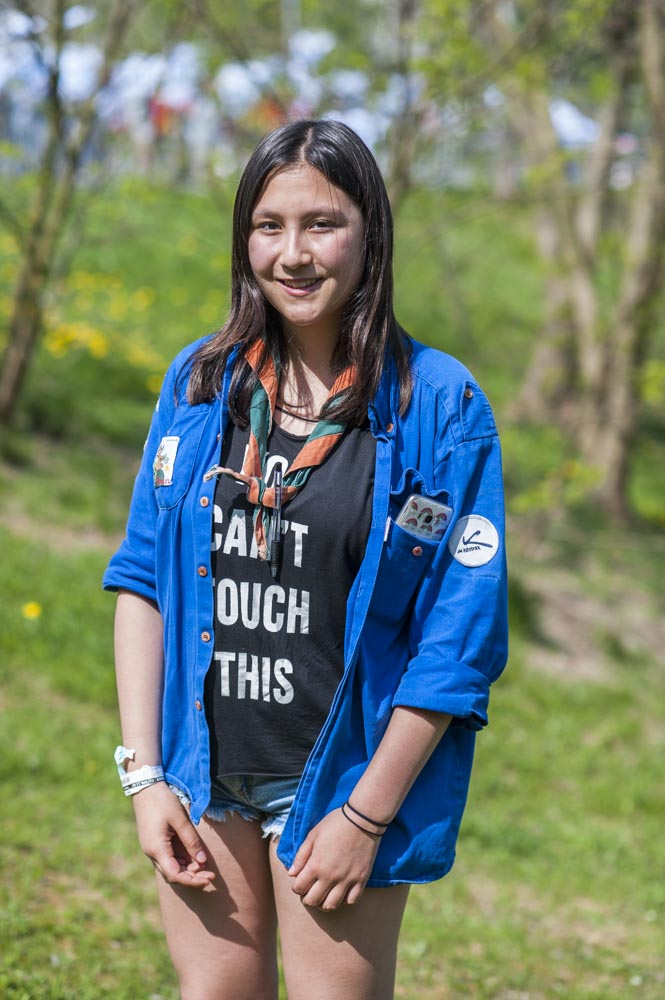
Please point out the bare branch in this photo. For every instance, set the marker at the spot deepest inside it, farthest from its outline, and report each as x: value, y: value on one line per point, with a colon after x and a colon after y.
x: 235, y: 45
x: 652, y: 42
x: 56, y: 184
x: 119, y: 19
x: 594, y: 200
x: 509, y: 43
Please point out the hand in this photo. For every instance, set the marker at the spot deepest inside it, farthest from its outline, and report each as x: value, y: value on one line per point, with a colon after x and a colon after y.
x: 334, y: 863
x: 169, y: 839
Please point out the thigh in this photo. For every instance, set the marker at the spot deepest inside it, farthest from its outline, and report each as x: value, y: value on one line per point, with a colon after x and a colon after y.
x: 347, y: 954
x: 223, y: 941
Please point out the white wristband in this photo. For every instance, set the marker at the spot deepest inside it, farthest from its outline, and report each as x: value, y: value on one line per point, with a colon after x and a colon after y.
x: 133, y: 781
x: 137, y: 786
x: 142, y: 776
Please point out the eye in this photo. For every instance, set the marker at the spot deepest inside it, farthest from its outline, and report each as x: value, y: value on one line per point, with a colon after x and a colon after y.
x: 266, y: 226
x: 324, y: 224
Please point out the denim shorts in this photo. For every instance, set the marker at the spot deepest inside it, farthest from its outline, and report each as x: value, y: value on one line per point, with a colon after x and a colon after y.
x: 264, y: 798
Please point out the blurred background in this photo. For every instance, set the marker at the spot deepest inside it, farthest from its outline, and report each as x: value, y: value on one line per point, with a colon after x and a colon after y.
x: 523, y: 144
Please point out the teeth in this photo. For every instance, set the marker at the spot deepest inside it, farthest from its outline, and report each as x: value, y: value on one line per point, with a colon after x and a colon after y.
x: 301, y: 283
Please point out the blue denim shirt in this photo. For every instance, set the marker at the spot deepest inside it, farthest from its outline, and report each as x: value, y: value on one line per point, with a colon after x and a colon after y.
x: 426, y: 620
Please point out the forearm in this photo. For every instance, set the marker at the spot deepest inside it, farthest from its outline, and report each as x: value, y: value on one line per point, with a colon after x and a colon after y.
x: 335, y: 860
x: 407, y: 744
x: 139, y: 675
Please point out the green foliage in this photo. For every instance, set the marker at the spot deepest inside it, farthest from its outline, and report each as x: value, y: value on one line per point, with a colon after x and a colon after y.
x: 451, y: 57
x: 153, y: 275
x: 460, y: 260
x: 553, y: 894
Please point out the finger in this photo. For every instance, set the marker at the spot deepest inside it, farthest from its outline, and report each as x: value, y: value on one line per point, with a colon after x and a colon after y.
x: 335, y: 897
x: 355, y: 893
x: 197, y: 880
x: 166, y: 864
x: 303, y: 883
x: 302, y: 857
x: 190, y: 839
x: 316, y: 895
x: 172, y: 871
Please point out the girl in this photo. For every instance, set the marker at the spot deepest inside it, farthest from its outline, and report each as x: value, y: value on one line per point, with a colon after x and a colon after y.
x: 312, y: 598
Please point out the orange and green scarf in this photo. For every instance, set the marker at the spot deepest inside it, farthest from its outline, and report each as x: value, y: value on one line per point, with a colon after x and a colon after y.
x: 314, y: 451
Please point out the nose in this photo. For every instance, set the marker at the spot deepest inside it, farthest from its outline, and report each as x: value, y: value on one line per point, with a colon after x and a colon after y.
x: 296, y: 251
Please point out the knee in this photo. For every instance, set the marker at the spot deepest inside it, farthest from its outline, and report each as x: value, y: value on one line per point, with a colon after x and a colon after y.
x: 231, y: 984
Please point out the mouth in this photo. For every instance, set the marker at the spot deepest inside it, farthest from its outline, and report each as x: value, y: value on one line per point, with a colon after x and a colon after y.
x: 299, y: 286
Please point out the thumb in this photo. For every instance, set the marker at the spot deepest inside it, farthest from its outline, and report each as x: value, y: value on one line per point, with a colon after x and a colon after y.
x: 190, y: 840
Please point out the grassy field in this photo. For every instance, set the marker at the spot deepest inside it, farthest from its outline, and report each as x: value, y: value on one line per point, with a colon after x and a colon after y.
x: 558, y: 890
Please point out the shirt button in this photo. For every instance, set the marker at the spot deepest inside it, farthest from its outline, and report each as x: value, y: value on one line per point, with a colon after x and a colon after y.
x: 417, y: 550
x: 202, y: 571
x: 205, y: 636
x: 204, y: 501
x: 390, y: 428
x: 468, y: 393
x: 198, y: 705
x: 218, y: 436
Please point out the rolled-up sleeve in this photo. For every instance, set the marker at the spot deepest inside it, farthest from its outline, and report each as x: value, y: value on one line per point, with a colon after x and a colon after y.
x: 458, y: 638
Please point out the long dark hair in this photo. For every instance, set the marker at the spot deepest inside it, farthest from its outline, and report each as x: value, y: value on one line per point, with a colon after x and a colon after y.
x: 369, y: 328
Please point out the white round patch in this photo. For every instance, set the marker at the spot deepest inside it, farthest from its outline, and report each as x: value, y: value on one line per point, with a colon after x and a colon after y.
x: 474, y: 541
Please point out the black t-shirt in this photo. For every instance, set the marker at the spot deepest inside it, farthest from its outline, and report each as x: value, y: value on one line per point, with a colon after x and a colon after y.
x: 279, y: 643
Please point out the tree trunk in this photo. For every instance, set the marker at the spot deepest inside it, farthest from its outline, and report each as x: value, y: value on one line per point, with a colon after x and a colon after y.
x: 25, y: 327
x: 586, y: 365
x: 607, y: 429
x: 56, y: 186
x: 403, y: 132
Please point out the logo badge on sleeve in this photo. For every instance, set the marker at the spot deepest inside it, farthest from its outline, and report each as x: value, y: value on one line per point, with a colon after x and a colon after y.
x: 474, y: 541
x: 162, y: 467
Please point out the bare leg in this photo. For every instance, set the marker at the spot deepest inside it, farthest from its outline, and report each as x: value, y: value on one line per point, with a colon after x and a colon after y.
x: 346, y: 954
x: 223, y: 942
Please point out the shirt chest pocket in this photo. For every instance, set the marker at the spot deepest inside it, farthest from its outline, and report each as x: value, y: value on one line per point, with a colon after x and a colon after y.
x: 179, y: 454
x: 405, y: 556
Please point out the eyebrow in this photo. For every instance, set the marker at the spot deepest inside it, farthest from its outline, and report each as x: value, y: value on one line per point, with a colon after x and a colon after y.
x: 315, y: 213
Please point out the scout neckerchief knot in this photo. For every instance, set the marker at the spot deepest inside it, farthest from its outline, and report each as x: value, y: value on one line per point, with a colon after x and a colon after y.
x: 314, y: 451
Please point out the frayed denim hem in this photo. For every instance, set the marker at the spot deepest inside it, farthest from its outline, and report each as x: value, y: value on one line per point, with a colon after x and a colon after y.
x: 271, y: 826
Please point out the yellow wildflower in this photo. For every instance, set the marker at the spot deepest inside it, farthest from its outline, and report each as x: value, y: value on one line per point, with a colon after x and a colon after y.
x: 31, y: 610
x: 98, y: 344
x: 143, y: 298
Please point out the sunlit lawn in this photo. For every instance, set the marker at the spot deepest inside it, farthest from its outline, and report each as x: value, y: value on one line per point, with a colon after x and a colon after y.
x: 555, y: 892
x: 558, y: 888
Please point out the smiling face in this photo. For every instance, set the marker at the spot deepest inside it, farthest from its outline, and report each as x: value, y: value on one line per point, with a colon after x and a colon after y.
x: 306, y: 250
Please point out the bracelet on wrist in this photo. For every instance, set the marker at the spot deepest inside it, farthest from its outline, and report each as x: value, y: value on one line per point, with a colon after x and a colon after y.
x: 133, y: 781
x: 370, y: 833
x: 368, y: 819
x: 138, y: 786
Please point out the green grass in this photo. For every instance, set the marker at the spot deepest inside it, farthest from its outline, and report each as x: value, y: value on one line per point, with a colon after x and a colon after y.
x: 554, y: 893
x: 558, y: 889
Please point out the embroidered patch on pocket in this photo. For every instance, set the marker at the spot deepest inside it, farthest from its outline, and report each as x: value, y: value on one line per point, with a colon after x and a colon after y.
x: 162, y: 467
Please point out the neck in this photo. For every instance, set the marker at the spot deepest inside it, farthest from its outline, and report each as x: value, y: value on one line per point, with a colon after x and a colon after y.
x: 305, y: 383
x: 311, y: 352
